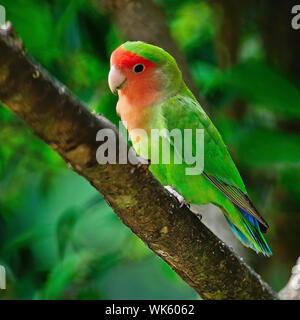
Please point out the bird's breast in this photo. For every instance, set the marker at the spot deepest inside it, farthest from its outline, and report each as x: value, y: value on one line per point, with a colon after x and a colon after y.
x: 139, y: 120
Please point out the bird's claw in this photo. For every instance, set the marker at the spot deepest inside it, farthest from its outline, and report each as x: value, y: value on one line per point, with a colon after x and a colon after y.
x: 198, y: 215
x: 178, y: 196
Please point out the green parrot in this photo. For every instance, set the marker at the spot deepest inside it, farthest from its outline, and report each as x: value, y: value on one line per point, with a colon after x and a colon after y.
x: 153, y: 96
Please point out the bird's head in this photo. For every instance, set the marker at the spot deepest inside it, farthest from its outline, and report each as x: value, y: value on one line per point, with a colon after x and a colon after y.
x: 143, y: 73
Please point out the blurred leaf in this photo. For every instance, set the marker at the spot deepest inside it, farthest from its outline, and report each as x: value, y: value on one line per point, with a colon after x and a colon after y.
x: 207, y: 76
x: 107, y: 106
x: 256, y: 81
x: 251, y: 47
x: 267, y: 148
x: 113, y: 40
x: 33, y: 20
x: 289, y: 179
x: 77, y: 274
x: 25, y: 239
x: 193, y: 23
x: 6, y: 115
x: 68, y: 15
x: 168, y: 271
x: 72, y: 270
x: 65, y: 227
x: 85, y: 72
x: 135, y: 249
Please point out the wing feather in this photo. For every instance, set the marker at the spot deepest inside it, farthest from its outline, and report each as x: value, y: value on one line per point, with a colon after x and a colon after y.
x: 240, y: 199
x: 185, y: 113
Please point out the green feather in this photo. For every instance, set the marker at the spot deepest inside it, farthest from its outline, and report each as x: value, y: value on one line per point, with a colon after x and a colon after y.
x: 220, y: 183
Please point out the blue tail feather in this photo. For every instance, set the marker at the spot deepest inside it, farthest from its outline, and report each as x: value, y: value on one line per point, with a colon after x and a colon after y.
x: 254, y: 232
x: 241, y: 236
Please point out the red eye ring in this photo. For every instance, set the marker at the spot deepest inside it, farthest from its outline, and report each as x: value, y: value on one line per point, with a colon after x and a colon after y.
x: 138, y: 68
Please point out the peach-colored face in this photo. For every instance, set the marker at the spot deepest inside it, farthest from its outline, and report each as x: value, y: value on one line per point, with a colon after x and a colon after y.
x: 135, y: 78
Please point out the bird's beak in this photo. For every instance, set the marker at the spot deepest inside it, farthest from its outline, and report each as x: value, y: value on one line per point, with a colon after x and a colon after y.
x: 116, y: 79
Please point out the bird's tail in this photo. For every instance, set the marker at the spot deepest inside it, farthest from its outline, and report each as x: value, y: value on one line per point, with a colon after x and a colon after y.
x: 250, y: 235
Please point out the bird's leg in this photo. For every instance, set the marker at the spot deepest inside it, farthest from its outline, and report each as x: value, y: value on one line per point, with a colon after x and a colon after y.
x: 178, y: 196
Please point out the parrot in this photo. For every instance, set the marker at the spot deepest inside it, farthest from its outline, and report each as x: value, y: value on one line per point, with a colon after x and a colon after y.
x: 153, y: 95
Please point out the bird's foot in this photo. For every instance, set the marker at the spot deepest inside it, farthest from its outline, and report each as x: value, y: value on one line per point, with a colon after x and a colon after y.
x: 195, y: 209
x: 198, y: 215
x: 178, y: 196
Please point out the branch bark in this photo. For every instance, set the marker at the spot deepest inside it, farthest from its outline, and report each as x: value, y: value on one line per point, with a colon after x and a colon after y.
x: 140, y: 201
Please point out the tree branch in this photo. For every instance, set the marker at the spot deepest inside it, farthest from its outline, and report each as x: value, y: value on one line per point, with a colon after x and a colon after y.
x: 139, y: 200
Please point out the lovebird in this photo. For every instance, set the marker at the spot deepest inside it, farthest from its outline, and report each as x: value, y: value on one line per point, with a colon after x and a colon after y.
x: 153, y: 95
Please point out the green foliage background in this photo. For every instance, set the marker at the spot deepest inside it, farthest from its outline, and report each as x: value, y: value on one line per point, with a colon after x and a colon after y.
x: 58, y: 237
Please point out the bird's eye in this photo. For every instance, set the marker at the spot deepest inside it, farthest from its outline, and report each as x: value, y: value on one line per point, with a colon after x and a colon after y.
x: 138, y: 68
